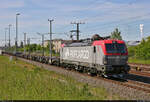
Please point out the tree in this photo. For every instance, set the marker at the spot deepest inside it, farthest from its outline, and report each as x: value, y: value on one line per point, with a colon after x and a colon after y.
x: 131, y: 51
x: 95, y: 37
x: 39, y: 47
x: 116, y: 34
x: 47, y: 47
x: 141, y: 51
x: 32, y: 47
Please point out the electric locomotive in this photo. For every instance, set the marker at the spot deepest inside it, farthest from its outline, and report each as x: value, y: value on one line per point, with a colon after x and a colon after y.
x: 107, y: 58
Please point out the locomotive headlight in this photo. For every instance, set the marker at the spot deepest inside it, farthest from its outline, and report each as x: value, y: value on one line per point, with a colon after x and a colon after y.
x: 105, y: 59
x: 124, y: 57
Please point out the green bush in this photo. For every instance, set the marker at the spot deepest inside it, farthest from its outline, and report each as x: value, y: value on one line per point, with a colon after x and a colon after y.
x: 131, y: 51
x: 141, y: 51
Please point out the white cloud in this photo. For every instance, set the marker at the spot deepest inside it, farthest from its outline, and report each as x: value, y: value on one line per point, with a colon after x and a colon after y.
x: 11, y: 4
x: 113, y: 11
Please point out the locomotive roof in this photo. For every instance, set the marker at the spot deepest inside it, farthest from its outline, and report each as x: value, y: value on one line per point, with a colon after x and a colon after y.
x: 78, y: 44
x: 89, y: 43
x: 107, y: 41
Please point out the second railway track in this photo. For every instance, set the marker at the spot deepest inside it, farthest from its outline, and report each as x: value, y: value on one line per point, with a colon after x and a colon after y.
x: 140, y: 67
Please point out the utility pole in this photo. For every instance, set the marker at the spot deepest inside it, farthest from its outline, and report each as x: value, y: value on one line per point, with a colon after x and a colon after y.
x: 24, y: 43
x: 9, y: 34
x: 5, y: 37
x: 43, y: 45
x: 50, y: 32
x: 77, y: 23
x: 28, y: 41
x: 16, y: 42
x: 71, y: 35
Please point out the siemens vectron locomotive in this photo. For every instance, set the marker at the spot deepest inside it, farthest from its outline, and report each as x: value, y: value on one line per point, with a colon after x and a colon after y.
x: 102, y: 57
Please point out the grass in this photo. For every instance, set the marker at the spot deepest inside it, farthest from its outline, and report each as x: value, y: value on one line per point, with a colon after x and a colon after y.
x: 137, y: 60
x: 22, y: 81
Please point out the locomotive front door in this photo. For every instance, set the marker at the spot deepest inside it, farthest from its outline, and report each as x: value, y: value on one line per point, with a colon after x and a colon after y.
x: 94, y: 55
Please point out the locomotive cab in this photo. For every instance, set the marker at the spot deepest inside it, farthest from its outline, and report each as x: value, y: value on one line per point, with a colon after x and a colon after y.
x: 112, y: 55
x: 116, y: 54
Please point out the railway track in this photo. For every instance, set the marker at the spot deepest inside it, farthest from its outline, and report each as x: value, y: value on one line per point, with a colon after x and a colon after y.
x: 139, y: 67
x: 145, y: 65
x: 139, y: 83
x: 132, y: 84
x: 128, y: 83
x: 140, y: 73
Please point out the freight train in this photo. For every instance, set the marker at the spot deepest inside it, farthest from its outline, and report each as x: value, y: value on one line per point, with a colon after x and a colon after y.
x: 106, y: 58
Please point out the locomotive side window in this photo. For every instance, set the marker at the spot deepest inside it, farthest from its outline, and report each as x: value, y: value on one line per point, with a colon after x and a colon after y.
x: 115, y: 48
x: 94, y: 50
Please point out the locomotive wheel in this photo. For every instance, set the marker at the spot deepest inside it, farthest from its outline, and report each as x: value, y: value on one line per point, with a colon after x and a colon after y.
x: 81, y: 71
x: 85, y: 70
x: 99, y: 74
x: 88, y: 73
x: 92, y: 72
x: 67, y: 68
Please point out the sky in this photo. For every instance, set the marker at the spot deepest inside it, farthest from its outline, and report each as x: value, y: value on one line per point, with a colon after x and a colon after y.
x: 99, y: 17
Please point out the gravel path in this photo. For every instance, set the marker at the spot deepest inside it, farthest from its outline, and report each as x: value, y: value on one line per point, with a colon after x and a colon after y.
x: 112, y: 88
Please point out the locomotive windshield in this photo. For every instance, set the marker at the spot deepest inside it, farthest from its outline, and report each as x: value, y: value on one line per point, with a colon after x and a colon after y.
x: 115, y: 48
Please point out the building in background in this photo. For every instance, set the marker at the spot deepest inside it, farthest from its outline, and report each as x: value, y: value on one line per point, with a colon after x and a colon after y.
x: 56, y: 44
x: 1, y: 50
x: 46, y: 42
x: 132, y: 43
